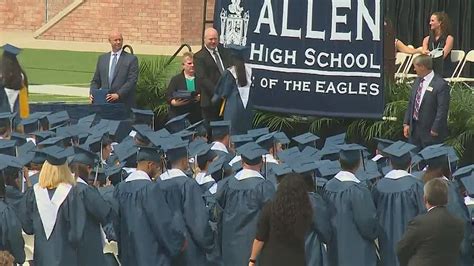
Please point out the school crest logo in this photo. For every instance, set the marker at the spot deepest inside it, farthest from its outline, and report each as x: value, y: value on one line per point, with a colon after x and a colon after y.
x: 234, y: 24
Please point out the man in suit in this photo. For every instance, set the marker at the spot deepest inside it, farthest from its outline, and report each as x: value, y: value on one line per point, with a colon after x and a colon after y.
x: 117, y: 71
x: 433, y: 238
x: 210, y: 63
x: 426, y: 118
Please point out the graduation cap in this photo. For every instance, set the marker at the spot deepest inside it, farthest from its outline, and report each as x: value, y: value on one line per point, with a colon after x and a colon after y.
x: 267, y: 141
x: 6, y: 119
x: 98, y: 174
x: 142, y: 132
x: 310, y: 153
x: 468, y: 182
x: 435, y: 155
x: 400, y: 152
x: 303, y: 166
x: 10, y: 49
x: 56, y: 155
x: 84, y: 156
x: 177, y: 123
x: 282, y: 138
x: 328, y: 169
x: 117, y: 130
x: 220, y: 128
x: 186, y: 134
x: 338, y: 139
x: 161, y: 141
x: 464, y: 171
x: 176, y: 149
x: 351, y: 153
x: 196, y: 147
x: 39, y: 157
x: 217, y: 168
x: 19, y: 138
x: 8, y: 147
x: 152, y: 154
x: 382, y: 144
x: 281, y: 169
x: 289, y: 155
x: 26, y: 152
x: 240, y: 140
x: 251, y: 153
x: 8, y: 162
x: 329, y: 152
x: 58, y: 140
x: 126, y: 152
x: 257, y: 132
x: 199, y: 127
x: 142, y: 116
x: 370, y: 172
x: 42, y: 135
x: 30, y: 125
x: 58, y: 119
x: 306, y: 139
x: 86, y: 121
x: 115, y: 173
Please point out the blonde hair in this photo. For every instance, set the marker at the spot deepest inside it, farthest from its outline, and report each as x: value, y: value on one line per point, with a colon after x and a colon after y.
x: 187, y: 55
x: 52, y: 175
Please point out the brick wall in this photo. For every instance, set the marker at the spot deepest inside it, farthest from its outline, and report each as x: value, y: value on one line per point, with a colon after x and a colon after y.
x: 158, y: 22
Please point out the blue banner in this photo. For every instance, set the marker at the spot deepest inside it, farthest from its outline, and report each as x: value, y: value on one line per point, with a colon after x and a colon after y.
x: 310, y: 57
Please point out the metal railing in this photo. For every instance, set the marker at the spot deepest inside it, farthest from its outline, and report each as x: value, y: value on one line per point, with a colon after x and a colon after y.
x: 177, y: 52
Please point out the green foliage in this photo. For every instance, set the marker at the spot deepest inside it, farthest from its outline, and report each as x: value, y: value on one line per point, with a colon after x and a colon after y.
x: 153, y: 81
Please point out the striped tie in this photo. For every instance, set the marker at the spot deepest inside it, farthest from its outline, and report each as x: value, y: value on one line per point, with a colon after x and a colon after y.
x: 418, y: 100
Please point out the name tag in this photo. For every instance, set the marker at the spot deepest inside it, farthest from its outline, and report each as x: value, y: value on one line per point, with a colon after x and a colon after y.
x: 429, y: 89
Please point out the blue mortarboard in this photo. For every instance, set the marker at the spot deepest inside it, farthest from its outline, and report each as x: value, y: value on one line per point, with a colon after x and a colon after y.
x: 161, y: 141
x: 240, y: 140
x: 329, y: 152
x: 338, y: 139
x: 199, y: 127
x: 282, y: 137
x: 196, y: 147
x: 73, y: 131
x: 267, y: 141
x: 289, y: 155
x: 186, y: 134
x: 177, y: 123
x: 452, y: 155
x: 115, y: 173
x: 13, y: 50
x: 435, y: 155
x: 468, y: 182
x: 143, y: 116
x: 152, y: 154
x: 217, y: 166
x: 86, y: 121
x: 306, y: 139
x: 251, y: 153
x: 176, y: 149
x: 220, y: 128
x: 84, y: 156
x: 328, y: 169
x: 19, y: 138
x: 7, y: 161
x: 42, y: 135
x: 6, y: 119
x: 26, y: 152
x: 30, y: 125
x: 351, y: 152
x: 400, y: 152
x: 142, y: 132
x: 98, y: 174
x: 58, y: 119
x: 58, y: 140
x: 303, y: 166
x: 415, y: 160
x: 8, y: 147
x: 464, y: 171
x: 257, y: 132
x: 382, y: 144
x: 117, y: 130
x: 56, y: 155
x: 310, y: 153
x: 281, y: 169
x: 126, y: 151
x: 370, y: 172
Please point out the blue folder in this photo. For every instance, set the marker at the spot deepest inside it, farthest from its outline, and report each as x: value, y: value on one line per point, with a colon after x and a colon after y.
x: 99, y: 96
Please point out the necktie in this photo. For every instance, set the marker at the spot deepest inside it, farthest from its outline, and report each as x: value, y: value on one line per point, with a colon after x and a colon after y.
x: 418, y: 100
x: 218, y: 60
x: 112, y: 69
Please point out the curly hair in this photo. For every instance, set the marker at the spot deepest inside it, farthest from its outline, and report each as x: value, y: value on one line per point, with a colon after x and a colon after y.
x: 6, y: 259
x: 291, y: 211
x: 444, y: 22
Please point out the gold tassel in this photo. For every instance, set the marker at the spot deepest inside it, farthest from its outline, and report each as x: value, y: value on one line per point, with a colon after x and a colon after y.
x: 221, y: 111
x: 24, y: 106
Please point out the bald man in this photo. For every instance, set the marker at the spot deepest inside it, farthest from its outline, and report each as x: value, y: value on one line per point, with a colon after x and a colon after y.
x: 209, y: 63
x: 116, y: 71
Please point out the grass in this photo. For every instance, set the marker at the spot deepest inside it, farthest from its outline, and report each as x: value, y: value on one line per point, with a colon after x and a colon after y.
x: 61, y: 67
x: 43, y: 98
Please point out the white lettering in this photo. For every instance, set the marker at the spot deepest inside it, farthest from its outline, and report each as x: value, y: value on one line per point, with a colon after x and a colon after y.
x: 267, y: 7
x: 336, y: 19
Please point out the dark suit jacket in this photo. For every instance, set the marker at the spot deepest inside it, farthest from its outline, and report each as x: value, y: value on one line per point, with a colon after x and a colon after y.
x: 431, y: 239
x: 178, y: 83
x: 433, y: 113
x: 125, y: 78
x: 208, y: 73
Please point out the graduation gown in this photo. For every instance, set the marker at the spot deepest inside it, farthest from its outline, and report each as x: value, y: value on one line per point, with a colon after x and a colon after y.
x: 205, y: 182
x: 13, y: 197
x: 267, y: 170
x: 241, y: 197
x: 148, y: 231
x: 240, y: 115
x: 11, y: 239
x: 320, y: 232
x: 184, y: 195
x: 90, y: 251
x: 398, y: 198
x: 354, y: 222
x: 58, y: 230
x: 458, y: 208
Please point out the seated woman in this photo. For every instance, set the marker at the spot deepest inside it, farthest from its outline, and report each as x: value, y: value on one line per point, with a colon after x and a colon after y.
x: 440, y: 38
x: 180, y: 103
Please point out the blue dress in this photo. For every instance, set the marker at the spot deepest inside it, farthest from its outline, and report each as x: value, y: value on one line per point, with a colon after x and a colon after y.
x: 148, y: 232
x: 320, y: 232
x: 11, y: 239
x: 184, y: 195
x: 354, y: 223
x: 398, y: 201
x: 241, y: 197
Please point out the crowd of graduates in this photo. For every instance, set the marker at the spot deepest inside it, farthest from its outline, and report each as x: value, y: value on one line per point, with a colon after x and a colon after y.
x: 175, y: 196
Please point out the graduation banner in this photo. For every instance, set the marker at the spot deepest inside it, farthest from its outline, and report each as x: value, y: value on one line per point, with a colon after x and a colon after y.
x: 309, y: 57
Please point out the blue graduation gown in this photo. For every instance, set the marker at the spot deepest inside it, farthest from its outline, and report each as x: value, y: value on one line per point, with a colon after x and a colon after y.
x: 269, y: 174
x: 61, y: 247
x: 148, y: 232
x: 11, y: 239
x: 241, y: 202
x: 241, y: 118
x: 320, y: 232
x: 90, y: 251
x: 398, y: 201
x: 458, y: 208
x: 107, y: 194
x: 184, y: 195
x: 13, y: 197
x: 354, y: 223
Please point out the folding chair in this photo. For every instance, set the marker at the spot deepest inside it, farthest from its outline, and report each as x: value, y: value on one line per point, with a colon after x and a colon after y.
x: 469, y: 58
x: 409, y: 67
x: 401, y: 60
x: 456, y: 56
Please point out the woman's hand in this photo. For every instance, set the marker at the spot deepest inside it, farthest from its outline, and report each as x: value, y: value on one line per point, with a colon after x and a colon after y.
x: 179, y: 102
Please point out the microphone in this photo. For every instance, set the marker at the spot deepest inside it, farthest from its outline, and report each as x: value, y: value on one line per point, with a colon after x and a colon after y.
x: 389, y: 118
